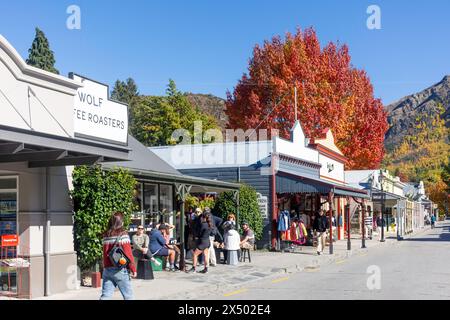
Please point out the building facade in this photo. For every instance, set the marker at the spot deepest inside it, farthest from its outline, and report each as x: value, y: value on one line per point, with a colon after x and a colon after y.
x: 299, y: 175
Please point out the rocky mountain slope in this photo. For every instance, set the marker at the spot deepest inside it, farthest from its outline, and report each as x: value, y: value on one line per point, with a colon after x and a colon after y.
x: 211, y: 105
x: 403, y: 114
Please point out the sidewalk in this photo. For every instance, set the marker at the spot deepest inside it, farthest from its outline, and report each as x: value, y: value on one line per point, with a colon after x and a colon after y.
x: 225, y: 278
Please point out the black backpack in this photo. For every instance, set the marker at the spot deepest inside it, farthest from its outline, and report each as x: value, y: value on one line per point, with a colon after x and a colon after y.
x: 117, y: 256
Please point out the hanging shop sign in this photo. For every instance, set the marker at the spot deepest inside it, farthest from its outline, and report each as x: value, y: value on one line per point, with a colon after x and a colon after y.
x: 263, y: 205
x: 95, y: 116
x: 10, y: 240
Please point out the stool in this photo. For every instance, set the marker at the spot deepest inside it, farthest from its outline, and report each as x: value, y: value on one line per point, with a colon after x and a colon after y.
x: 145, y: 270
x: 244, y: 252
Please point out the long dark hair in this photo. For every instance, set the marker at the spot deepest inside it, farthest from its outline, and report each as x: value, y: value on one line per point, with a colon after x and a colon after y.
x: 115, y: 225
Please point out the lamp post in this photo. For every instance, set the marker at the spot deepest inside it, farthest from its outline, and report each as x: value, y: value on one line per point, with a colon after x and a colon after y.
x: 380, y: 179
x: 347, y: 220
x: 363, y: 225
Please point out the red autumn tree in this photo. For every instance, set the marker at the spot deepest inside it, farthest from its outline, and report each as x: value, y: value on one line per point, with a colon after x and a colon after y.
x: 331, y: 94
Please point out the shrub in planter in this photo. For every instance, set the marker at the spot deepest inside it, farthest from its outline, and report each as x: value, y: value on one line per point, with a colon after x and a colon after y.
x: 248, y: 208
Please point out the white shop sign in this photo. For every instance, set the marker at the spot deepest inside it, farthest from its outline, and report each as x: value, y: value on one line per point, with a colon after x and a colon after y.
x: 263, y: 205
x: 97, y: 117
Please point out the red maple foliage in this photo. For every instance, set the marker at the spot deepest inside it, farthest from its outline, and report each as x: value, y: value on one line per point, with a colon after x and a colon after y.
x: 331, y: 94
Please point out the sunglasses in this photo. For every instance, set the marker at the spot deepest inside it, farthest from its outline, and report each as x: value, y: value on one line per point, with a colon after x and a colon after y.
x: 140, y: 228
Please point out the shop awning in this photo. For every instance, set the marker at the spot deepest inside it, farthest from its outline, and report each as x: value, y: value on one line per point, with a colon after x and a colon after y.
x: 377, y: 195
x: 287, y: 183
x: 147, y: 166
x: 46, y: 150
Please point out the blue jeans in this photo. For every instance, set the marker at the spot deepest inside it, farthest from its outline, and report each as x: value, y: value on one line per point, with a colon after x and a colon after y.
x: 115, y: 277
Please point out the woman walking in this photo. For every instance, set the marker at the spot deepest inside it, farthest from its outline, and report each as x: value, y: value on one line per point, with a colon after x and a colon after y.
x: 203, y: 242
x: 113, y: 275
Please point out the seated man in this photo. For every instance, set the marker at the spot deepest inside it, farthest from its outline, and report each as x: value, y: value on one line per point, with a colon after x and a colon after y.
x: 248, y: 238
x: 158, y: 246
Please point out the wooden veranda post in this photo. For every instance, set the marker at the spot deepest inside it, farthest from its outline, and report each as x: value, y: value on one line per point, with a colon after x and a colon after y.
x: 330, y: 212
x: 182, y: 191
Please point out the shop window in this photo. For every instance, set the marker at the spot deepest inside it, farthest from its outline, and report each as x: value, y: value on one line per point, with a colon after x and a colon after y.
x: 8, y: 206
x: 150, y: 198
x: 166, y: 199
x: 8, y: 226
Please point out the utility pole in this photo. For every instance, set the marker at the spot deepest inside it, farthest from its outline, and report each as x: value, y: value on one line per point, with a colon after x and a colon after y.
x: 295, y: 104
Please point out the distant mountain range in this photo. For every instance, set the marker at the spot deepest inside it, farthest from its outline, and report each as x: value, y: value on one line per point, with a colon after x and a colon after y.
x: 403, y: 114
x: 211, y: 105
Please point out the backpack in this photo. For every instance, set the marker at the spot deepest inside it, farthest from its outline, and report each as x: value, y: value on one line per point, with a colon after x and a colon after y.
x: 117, y: 256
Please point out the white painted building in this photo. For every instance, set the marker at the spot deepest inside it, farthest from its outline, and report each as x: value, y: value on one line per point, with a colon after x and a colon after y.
x: 41, y: 137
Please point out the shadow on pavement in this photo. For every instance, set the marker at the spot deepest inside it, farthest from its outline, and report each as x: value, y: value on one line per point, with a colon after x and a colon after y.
x: 443, y: 236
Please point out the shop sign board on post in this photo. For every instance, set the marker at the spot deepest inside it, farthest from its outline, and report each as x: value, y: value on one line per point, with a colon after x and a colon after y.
x: 96, y: 117
x: 263, y: 205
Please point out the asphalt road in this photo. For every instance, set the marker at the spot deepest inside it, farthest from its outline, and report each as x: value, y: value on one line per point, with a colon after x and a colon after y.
x: 417, y: 268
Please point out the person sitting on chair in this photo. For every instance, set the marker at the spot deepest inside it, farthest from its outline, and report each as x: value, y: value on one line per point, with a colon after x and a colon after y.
x: 140, y: 244
x: 158, y: 245
x: 248, y: 238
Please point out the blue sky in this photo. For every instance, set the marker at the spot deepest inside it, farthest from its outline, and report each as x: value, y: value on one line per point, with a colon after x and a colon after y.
x: 205, y: 45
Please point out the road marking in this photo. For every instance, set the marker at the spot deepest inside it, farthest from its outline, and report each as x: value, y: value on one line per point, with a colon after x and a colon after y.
x: 280, y: 280
x: 340, y: 261
x: 363, y: 254
x: 312, y: 269
x: 235, y: 292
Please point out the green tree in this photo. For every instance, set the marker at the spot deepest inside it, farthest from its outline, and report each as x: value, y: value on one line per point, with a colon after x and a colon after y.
x: 40, y: 55
x: 96, y: 195
x: 154, y: 121
x: 156, y: 118
x: 248, y: 208
x: 125, y: 91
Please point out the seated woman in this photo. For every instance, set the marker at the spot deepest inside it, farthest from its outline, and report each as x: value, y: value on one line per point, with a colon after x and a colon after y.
x: 158, y: 245
x: 140, y: 243
x: 231, y: 243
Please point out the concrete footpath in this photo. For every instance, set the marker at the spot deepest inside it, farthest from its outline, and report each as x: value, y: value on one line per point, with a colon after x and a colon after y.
x: 224, y: 278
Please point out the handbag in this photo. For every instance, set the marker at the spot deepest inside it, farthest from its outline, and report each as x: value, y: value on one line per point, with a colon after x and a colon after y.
x: 117, y: 256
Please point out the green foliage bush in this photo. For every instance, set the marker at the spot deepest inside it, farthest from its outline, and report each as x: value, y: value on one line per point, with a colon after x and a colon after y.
x: 248, y: 208
x: 96, y: 195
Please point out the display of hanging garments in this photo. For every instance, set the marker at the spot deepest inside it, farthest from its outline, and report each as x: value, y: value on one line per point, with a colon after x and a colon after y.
x: 294, y: 231
x: 285, y: 235
x: 284, y: 221
x: 300, y: 232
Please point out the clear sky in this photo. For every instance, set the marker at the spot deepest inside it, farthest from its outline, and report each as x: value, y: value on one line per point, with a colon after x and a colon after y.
x: 204, y: 45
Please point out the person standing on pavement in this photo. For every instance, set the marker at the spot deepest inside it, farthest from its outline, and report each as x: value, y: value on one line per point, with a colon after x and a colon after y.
x: 433, y: 220
x: 203, y: 243
x: 320, y: 227
x: 214, y: 233
x: 114, y: 276
x: 380, y: 224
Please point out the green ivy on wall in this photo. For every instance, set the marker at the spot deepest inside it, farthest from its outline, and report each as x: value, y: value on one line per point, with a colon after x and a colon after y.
x: 96, y: 195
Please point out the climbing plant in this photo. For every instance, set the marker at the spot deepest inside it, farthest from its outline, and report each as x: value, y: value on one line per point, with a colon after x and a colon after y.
x: 96, y: 195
